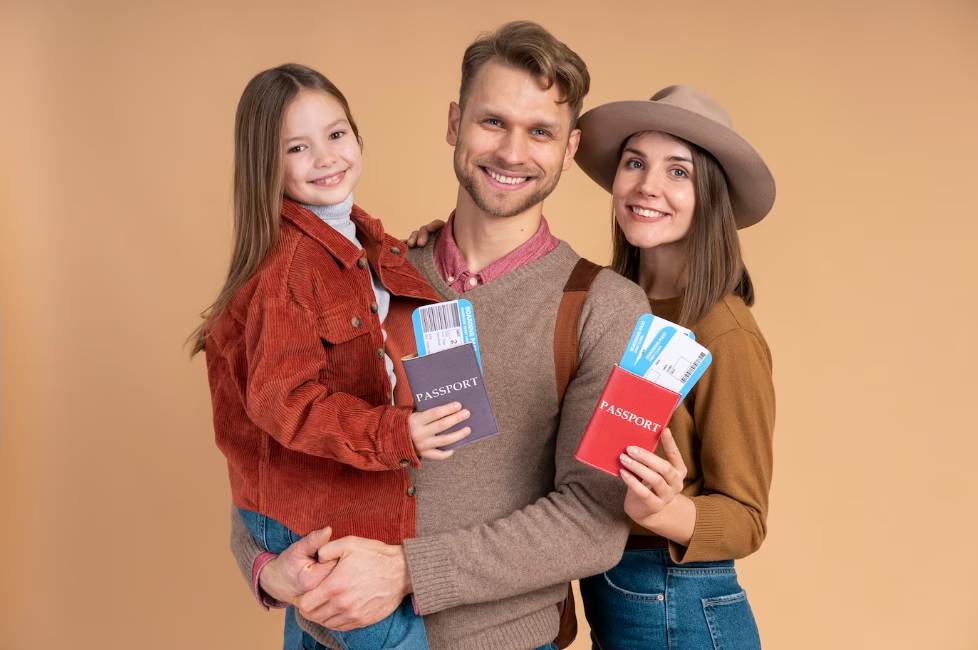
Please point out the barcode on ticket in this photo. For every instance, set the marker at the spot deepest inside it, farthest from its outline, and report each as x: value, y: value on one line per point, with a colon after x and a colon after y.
x: 439, y: 317
x: 692, y: 368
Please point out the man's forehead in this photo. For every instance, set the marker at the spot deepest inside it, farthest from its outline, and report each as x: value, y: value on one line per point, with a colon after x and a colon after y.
x: 502, y: 89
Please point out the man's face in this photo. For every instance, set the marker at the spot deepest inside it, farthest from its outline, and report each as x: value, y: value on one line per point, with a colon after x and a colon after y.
x: 512, y: 141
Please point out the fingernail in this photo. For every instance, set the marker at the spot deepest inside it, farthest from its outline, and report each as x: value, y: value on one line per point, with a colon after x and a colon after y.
x: 457, y: 405
x: 667, y: 433
x: 465, y: 414
x: 632, y: 451
x: 624, y: 473
x: 625, y: 459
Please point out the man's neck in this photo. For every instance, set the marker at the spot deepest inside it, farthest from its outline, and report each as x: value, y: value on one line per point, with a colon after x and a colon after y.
x: 483, y: 239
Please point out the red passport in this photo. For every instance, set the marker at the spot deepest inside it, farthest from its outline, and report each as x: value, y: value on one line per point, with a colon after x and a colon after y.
x: 631, y: 411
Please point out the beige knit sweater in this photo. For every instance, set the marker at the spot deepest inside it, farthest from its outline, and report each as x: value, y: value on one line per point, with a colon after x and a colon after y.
x: 506, y: 522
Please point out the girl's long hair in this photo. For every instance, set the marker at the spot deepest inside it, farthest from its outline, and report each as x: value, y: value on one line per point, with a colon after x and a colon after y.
x: 713, y: 265
x: 259, y: 171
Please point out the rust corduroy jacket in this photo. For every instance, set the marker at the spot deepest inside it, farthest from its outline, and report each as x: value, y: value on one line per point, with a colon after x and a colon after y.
x: 301, y: 397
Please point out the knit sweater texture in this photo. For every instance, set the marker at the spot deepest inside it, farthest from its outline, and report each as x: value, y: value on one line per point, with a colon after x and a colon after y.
x: 506, y: 522
x: 725, y: 432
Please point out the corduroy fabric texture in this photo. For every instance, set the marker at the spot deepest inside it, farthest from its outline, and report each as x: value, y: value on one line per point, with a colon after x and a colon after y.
x: 725, y: 432
x: 301, y: 397
x: 507, y: 522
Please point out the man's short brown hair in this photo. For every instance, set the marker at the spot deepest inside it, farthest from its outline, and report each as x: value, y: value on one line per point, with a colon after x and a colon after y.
x: 527, y: 46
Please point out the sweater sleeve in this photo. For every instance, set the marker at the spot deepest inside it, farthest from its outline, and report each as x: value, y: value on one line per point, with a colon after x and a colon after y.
x: 285, y: 397
x: 733, y: 411
x: 579, y: 529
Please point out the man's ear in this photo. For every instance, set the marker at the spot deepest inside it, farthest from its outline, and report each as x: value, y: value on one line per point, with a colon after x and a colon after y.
x: 454, y: 117
x: 572, y: 143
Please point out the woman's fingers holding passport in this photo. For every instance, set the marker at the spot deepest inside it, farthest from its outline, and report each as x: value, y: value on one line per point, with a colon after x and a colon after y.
x: 427, y: 425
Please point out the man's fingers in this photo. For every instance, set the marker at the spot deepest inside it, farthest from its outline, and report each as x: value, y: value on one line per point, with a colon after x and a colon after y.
x: 312, y: 542
x: 422, y: 237
x: 335, y: 549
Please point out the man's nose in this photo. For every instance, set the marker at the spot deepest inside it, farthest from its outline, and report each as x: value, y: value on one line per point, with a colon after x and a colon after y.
x: 513, y: 149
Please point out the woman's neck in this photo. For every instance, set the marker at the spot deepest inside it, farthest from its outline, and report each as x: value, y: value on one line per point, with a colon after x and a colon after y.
x: 660, y: 270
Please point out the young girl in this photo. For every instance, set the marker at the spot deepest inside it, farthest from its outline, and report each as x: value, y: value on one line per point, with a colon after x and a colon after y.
x: 682, y: 183
x: 309, y: 409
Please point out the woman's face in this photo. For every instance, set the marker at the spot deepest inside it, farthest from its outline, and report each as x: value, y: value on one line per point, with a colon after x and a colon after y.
x: 654, y: 192
x: 322, y: 156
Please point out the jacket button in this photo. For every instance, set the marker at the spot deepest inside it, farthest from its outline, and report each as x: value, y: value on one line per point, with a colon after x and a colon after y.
x: 404, y: 462
x: 395, y: 250
x: 380, y: 353
x: 362, y: 262
x: 411, y: 491
x: 374, y: 308
x: 355, y: 321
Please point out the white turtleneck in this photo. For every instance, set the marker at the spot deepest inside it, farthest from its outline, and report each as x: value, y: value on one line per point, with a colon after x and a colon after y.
x: 337, y: 217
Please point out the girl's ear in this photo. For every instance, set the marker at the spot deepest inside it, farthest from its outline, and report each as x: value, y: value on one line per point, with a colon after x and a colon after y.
x: 454, y: 117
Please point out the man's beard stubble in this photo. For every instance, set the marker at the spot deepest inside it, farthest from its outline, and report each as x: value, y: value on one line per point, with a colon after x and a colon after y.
x: 472, y: 185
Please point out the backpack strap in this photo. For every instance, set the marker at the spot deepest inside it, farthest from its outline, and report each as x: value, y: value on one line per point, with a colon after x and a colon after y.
x: 568, y: 321
x: 565, y: 363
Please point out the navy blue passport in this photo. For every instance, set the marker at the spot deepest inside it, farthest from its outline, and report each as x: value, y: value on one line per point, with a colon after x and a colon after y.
x: 453, y: 375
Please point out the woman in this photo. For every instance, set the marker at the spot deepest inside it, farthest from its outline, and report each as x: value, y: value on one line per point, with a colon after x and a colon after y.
x: 682, y: 183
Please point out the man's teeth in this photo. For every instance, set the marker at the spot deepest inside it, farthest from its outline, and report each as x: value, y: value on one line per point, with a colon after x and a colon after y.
x: 647, y: 213
x: 509, y: 180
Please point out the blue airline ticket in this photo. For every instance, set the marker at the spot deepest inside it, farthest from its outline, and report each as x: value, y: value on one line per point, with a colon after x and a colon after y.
x: 445, y: 325
x: 665, y: 354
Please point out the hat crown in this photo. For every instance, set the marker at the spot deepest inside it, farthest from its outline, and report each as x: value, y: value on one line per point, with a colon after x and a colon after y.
x: 695, y: 101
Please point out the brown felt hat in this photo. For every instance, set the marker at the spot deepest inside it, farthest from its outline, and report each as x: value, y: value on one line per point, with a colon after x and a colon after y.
x: 691, y: 115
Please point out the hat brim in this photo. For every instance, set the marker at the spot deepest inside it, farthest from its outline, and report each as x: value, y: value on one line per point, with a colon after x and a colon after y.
x: 605, y: 128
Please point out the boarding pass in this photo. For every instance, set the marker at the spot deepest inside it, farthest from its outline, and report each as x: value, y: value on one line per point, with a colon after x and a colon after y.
x: 445, y: 325
x: 665, y: 354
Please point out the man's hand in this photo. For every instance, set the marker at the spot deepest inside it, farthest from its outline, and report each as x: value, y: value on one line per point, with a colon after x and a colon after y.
x: 420, y: 236
x: 369, y: 582
x: 298, y: 569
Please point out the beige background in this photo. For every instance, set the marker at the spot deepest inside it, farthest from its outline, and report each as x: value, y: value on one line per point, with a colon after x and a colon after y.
x: 116, y: 123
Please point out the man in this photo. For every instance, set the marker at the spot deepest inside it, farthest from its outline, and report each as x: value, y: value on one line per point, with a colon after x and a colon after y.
x: 506, y: 523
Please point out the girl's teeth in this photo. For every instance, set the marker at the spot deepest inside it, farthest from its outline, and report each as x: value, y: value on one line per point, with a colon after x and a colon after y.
x: 506, y: 179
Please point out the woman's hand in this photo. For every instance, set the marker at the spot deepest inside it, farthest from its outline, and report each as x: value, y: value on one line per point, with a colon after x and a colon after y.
x: 427, y: 426
x: 652, y: 482
x: 297, y: 570
x: 420, y: 236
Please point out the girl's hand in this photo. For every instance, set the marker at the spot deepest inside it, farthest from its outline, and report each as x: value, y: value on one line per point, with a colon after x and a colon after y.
x: 426, y: 425
x: 652, y: 482
x: 420, y: 237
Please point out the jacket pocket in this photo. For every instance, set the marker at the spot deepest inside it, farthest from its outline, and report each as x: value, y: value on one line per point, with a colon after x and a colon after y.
x: 731, y: 622
x: 343, y: 322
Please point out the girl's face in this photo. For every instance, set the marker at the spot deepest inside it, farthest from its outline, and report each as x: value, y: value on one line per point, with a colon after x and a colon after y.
x: 322, y: 156
x: 653, y: 192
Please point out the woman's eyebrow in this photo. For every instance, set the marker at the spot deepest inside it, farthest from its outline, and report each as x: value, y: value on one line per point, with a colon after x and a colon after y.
x: 632, y: 151
x: 679, y: 159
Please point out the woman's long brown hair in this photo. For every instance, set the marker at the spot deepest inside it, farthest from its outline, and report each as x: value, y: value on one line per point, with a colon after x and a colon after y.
x: 259, y: 176
x: 714, y: 266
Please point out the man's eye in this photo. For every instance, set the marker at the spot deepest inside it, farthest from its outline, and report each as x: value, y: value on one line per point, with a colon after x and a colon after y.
x: 540, y: 132
x: 336, y: 135
x: 493, y: 122
x: 297, y: 148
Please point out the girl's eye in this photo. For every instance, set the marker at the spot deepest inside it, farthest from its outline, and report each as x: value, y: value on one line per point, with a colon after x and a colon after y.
x: 297, y: 148
x: 336, y: 135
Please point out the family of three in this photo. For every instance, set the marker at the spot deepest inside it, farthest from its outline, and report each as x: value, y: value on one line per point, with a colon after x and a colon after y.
x: 345, y: 509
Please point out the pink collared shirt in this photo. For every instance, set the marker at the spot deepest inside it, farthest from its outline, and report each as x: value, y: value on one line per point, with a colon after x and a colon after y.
x: 452, y: 269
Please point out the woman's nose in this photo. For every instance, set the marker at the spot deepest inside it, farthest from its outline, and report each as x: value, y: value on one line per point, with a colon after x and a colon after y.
x: 650, y: 185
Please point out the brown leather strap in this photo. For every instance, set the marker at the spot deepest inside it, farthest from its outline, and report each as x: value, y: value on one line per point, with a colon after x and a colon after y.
x: 568, y: 322
x: 565, y: 363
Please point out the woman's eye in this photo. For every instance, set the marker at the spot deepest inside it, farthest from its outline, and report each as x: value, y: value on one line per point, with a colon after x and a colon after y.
x: 634, y: 164
x: 297, y: 148
x: 680, y: 173
x: 336, y: 135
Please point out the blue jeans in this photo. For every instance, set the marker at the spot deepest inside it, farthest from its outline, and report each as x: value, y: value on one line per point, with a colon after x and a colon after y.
x: 649, y: 601
x: 402, y: 630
